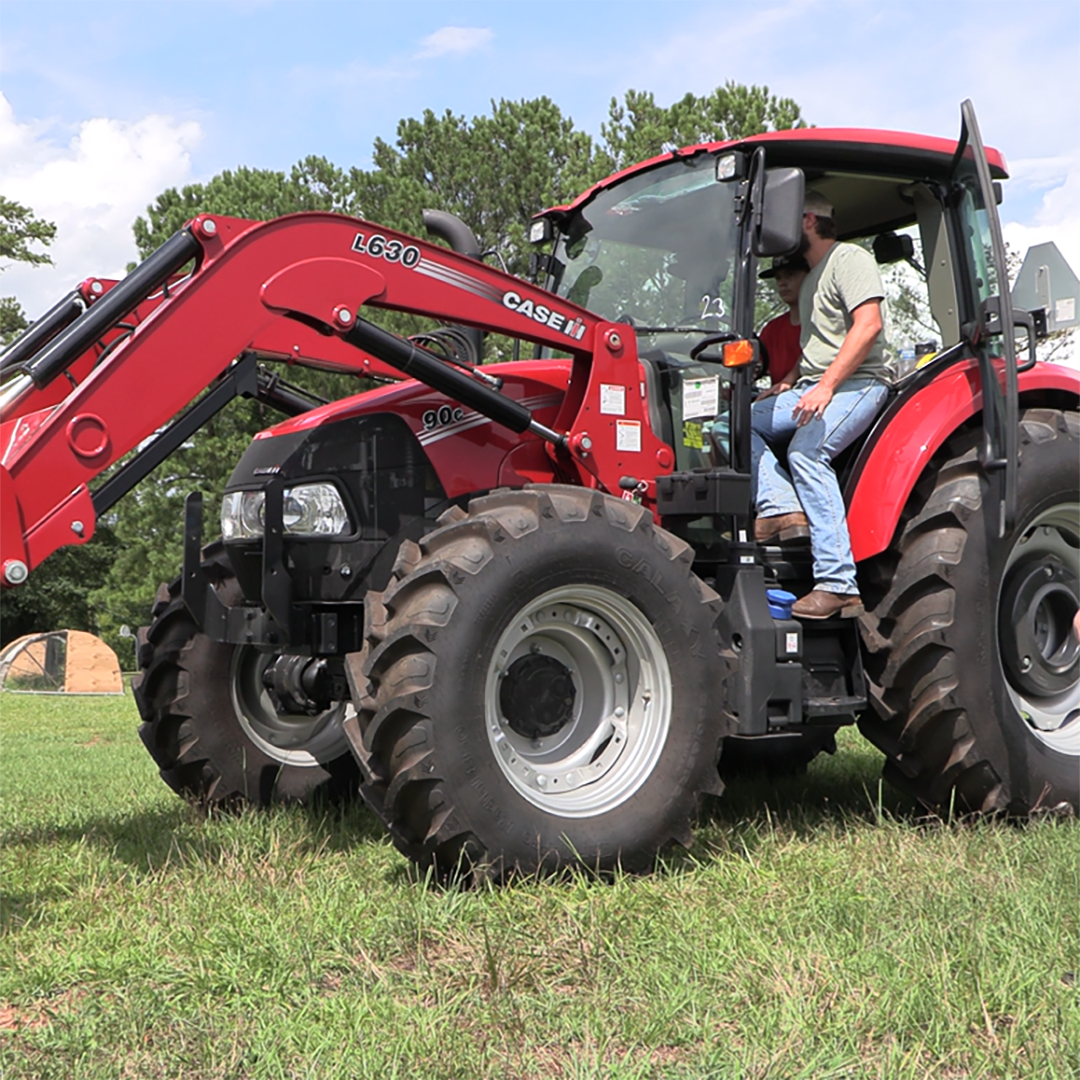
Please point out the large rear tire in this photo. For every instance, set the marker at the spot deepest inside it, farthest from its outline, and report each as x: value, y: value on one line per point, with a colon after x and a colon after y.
x: 974, y: 669
x: 210, y: 724
x: 542, y: 686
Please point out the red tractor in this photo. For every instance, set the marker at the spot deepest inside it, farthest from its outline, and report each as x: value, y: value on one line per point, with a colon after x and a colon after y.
x: 519, y: 605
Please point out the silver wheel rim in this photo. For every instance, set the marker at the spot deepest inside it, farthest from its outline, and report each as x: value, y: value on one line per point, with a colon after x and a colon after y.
x: 621, y: 709
x: 1053, y: 719
x: 289, y: 738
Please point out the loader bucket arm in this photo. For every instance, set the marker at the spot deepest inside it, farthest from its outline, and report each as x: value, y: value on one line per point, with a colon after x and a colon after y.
x: 289, y: 289
x: 286, y: 341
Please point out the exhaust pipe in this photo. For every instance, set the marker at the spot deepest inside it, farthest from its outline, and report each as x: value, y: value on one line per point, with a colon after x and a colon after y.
x: 460, y: 237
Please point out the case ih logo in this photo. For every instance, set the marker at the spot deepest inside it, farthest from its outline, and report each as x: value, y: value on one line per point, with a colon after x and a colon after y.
x: 541, y: 313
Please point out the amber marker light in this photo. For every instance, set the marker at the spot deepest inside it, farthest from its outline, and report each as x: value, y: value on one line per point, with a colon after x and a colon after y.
x: 738, y: 353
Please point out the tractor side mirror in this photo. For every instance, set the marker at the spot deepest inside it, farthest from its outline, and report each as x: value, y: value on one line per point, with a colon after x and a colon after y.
x: 779, y: 230
x: 893, y: 247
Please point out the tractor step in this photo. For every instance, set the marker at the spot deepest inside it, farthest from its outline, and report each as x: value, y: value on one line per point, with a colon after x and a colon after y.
x: 834, y: 706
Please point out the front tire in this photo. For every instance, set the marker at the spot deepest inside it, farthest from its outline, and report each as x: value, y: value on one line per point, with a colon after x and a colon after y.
x: 210, y: 724
x: 973, y: 667
x: 542, y: 686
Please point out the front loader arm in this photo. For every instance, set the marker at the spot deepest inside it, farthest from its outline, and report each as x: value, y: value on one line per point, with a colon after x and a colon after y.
x: 283, y: 340
x: 282, y: 288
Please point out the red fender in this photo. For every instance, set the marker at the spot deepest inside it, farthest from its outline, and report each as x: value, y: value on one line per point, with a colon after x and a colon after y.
x: 884, y: 477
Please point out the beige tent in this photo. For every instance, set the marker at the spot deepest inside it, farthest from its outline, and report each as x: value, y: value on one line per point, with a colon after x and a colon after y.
x: 60, y: 662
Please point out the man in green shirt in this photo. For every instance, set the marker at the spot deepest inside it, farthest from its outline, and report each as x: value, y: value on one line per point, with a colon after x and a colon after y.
x: 842, y: 384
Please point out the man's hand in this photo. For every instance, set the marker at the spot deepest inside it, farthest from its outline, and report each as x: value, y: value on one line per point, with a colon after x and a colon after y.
x: 812, y: 404
x: 786, y: 383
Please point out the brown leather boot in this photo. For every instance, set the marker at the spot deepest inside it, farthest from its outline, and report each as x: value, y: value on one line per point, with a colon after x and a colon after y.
x: 820, y: 604
x: 781, y: 528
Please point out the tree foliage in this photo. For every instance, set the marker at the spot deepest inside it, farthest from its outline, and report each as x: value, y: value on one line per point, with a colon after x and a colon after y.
x: 493, y: 171
x: 12, y: 319
x: 19, y: 230
x: 258, y: 194
x: 639, y: 129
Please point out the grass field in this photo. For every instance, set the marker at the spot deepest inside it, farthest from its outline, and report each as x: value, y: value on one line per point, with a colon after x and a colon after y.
x: 816, y: 930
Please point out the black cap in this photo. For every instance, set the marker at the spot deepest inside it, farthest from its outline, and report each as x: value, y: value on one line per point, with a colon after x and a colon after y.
x: 794, y: 261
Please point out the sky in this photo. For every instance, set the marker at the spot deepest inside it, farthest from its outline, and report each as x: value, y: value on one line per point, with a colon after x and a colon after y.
x: 105, y: 105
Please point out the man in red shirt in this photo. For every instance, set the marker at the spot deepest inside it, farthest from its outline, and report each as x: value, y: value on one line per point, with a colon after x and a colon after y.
x: 780, y: 336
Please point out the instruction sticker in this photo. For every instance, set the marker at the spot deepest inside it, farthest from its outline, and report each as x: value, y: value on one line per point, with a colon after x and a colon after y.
x: 612, y: 399
x: 700, y: 397
x: 628, y: 435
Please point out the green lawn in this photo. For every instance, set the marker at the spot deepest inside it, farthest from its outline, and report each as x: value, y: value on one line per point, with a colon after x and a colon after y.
x: 817, y: 930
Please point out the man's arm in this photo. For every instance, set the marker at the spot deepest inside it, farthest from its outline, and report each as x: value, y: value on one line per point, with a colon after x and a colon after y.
x: 786, y: 383
x: 866, y: 324
x: 779, y: 338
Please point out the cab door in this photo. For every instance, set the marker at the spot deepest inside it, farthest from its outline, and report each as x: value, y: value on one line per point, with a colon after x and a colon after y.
x: 988, y: 322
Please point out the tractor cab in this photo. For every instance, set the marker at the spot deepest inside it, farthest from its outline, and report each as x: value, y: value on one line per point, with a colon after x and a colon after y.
x: 674, y: 248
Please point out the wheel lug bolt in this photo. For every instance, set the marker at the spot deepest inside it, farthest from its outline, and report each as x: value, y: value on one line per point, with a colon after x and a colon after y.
x: 620, y: 711
x: 1025, y: 664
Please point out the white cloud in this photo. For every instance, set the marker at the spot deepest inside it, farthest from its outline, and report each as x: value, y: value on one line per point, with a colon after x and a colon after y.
x: 454, y: 40
x: 93, y: 188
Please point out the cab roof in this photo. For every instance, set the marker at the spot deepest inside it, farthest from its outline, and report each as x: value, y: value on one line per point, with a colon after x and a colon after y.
x: 822, y: 151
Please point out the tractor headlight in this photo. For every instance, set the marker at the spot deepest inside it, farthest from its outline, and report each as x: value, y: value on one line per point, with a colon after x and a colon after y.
x: 243, y: 515
x: 314, y: 510
x: 307, y: 510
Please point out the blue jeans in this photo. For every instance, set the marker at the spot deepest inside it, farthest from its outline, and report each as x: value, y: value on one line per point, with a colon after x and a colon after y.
x: 809, y: 483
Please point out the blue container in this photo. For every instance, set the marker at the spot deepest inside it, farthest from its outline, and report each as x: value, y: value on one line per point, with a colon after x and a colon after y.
x: 780, y: 602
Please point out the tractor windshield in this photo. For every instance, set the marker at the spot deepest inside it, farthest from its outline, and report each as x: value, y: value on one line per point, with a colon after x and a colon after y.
x: 659, y: 250
x: 655, y: 250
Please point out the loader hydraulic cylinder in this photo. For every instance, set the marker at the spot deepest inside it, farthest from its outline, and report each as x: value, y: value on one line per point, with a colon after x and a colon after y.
x: 418, y: 363
x: 58, y: 318
x: 50, y: 361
